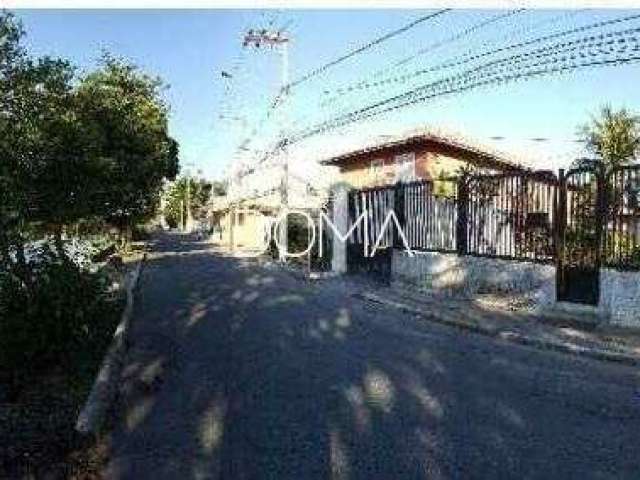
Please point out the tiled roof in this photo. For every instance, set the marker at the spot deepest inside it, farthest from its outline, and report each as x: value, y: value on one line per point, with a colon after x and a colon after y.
x: 435, y: 135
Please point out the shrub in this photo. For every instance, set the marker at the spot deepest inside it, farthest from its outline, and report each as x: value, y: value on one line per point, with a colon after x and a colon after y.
x: 63, y: 317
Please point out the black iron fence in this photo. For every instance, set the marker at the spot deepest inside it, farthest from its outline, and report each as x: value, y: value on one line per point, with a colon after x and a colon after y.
x: 622, y: 227
x: 428, y: 219
x: 509, y: 215
x: 585, y: 216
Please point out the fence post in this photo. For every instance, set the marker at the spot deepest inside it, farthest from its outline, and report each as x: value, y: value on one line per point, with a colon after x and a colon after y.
x: 399, y: 210
x: 560, y: 222
x: 462, y: 224
x: 601, y: 212
x: 341, y: 221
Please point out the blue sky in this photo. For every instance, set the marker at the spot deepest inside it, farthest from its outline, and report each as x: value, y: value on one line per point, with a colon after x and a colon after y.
x: 190, y: 48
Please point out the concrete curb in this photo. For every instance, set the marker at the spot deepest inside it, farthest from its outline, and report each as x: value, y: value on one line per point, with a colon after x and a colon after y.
x: 509, y: 336
x: 104, y: 387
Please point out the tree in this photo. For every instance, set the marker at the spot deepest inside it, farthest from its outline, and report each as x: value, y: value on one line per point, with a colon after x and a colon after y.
x: 613, y: 136
x: 43, y: 170
x: 126, y: 120
x: 175, y: 210
x: 75, y: 149
x: 219, y: 188
x: 12, y: 58
x: 49, y: 177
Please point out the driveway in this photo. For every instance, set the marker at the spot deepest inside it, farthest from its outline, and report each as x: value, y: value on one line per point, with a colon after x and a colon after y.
x: 238, y: 371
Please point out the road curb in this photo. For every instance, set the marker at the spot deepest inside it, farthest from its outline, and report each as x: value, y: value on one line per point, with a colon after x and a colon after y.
x: 509, y: 336
x: 92, y: 415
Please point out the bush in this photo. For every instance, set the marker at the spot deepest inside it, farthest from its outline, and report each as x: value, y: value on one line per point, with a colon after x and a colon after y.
x: 63, y: 317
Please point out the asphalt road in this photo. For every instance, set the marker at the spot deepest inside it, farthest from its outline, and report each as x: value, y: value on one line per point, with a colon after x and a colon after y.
x: 237, y: 371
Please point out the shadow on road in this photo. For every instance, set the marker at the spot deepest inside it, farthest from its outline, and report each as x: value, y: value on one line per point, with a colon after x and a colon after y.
x: 240, y: 372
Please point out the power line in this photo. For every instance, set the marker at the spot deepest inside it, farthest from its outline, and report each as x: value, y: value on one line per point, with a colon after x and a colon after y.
x: 454, y: 38
x: 465, y: 59
x: 489, y: 48
x: 287, y: 88
x: 365, y: 47
x: 590, y: 51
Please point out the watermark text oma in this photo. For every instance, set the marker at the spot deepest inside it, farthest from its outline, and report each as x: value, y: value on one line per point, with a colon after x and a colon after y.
x: 272, y: 225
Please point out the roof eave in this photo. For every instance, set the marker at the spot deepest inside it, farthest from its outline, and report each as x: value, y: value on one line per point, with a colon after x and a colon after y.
x: 423, y: 139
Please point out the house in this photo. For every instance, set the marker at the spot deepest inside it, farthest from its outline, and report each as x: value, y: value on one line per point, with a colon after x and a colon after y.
x: 426, y: 154
x: 255, y: 199
x: 239, y: 225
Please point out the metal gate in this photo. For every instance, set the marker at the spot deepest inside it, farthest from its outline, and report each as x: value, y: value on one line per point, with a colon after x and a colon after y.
x: 579, y: 230
x: 376, y: 202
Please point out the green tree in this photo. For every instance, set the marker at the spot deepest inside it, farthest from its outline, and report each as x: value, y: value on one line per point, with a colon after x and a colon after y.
x: 177, y: 199
x: 76, y: 149
x: 613, y: 136
x: 43, y: 170
x: 126, y: 122
x: 12, y: 198
x: 218, y: 188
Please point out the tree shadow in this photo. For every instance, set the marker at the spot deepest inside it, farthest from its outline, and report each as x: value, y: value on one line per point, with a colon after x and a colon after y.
x: 238, y: 372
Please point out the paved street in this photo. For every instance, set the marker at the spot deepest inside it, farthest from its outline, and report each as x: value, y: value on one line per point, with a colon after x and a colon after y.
x: 237, y: 371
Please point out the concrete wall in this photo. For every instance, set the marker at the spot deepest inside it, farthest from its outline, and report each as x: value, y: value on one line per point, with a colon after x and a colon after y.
x: 451, y: 274
x: 240, y: 228
x: 620, y: 297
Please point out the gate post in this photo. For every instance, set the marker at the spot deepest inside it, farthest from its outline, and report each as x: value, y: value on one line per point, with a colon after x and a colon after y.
x: 601, y: 213
x: 398, y: 209
x: 559, y: 230
x: 462, y: 224
x: 341, y: 222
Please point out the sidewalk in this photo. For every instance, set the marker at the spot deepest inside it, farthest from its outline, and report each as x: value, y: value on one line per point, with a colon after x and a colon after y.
x: 482, y: 315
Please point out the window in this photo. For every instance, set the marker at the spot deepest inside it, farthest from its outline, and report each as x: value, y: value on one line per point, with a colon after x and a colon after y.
x: 405, y: 167
x: 375, y: 168
x: 240, y: 219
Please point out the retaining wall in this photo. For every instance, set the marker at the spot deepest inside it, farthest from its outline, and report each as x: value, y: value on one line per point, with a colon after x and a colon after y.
x: 620, y: 297
x: 451, y: 274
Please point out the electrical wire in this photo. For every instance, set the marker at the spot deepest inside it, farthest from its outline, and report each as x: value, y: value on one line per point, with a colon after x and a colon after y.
x: 518, y: 66
x: 365, y: 47
x: 465, y: 59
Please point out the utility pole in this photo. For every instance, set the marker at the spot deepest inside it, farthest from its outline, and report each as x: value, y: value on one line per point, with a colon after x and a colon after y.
x: 280, y: 40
